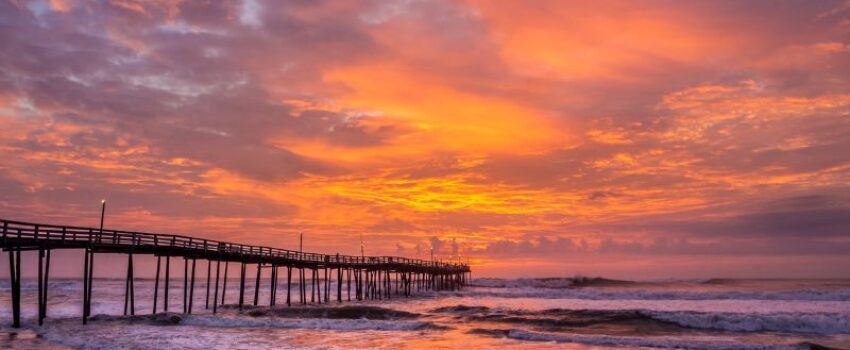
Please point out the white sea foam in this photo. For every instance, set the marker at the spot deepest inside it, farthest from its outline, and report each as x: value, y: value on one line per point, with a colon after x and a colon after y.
x: 201, y: 331
x: 819, y: 323
x: 655, y: 342
x: 306, y: 323
x: 637, y: 293
x: 523, y: 282
x: 824, y: 323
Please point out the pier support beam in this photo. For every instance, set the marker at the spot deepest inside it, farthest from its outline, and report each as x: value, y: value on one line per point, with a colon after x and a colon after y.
x: 45, y: 281
x: 215, y: 296
x: 85, y: 283
x: 242, y: 287
x: 192, y: 286
x: 15, y: 283
x: 288, y: 285
x: 257, y: 285
x: 209, y: 275
x: 357, y: 294
x: 302, y: 287
x: 129, y: 295
x: 339, y: 284
x: 88, y: 285
x: 271, y: 286
x: 40, y: 282
x: 156, y: 283
x: 167, y: 279
x: 318, y: 279
x: 224, y: 282
x: 327, y: 286
x: 185, y: 284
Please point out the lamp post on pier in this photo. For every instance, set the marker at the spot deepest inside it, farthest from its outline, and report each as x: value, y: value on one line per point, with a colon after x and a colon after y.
x: 102, y: 213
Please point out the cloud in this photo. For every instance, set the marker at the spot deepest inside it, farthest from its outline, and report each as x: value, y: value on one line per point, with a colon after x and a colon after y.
x: 436, y: 245
x: 250, y: 13
x: 818, y: 216
x: 561, y: 249
x: 521, y: 132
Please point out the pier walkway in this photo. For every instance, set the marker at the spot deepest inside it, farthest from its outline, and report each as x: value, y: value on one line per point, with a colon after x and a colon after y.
x: 371, y: 277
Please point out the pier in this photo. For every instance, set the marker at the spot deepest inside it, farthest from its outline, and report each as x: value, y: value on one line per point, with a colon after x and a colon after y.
x: 357, y: 277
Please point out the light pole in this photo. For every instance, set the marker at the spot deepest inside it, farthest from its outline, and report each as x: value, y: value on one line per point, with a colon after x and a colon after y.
x: 300, y: 242
x: 362, y: 254
x: 102, y: 213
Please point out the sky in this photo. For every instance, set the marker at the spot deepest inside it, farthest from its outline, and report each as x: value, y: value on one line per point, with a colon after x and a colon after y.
x: 625, y: 139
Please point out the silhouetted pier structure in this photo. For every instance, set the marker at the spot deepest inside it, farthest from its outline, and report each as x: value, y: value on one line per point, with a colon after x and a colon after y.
x: 373, y: 277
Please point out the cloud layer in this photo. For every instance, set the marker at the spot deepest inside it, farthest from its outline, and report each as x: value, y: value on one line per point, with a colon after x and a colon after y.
x: 545, y: 134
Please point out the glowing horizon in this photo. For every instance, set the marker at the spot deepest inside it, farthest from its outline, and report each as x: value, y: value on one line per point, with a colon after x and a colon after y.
x: 548, y: 138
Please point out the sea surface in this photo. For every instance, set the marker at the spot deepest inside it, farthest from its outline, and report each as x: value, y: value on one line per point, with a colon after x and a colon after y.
x: 555, y: 313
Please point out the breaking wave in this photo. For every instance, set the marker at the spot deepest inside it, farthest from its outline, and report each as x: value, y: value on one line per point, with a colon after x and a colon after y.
x: 818, y: 323
x: 341, y: 312
x: 338, y: 324
x: 654, y: 342
x: 597, y: 288
x: 810, y: 323
x: 659, y: 294
x: 551, y: 283
x: 310, y: 323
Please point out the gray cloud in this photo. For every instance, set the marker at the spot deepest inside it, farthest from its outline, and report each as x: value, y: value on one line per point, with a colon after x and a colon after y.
x: 812, y: 216
x: 436, y: 245
x: 175, y: 95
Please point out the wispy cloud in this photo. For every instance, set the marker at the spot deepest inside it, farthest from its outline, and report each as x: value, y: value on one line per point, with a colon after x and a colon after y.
x: 545, y: 133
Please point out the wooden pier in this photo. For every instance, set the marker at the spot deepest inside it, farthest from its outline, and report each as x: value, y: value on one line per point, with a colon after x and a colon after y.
x: 371, y: 277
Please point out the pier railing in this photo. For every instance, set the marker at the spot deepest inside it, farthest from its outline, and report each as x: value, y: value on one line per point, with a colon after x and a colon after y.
x: 373, y: 276
x: 39, y: 234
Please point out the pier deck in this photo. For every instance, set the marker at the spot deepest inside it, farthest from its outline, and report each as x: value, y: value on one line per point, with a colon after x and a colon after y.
x: 373, y: 276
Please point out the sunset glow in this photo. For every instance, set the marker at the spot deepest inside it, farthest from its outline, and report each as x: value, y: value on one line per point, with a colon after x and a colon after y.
x: 543, y: 138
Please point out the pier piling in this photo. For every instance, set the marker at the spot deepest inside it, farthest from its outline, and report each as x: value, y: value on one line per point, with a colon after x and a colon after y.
x: 374, y: 278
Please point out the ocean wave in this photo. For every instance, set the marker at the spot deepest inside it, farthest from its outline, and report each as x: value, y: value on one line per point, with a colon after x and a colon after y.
x: 654, y: 342
x: 310, y: 323
x: 339, y: 312
x: 461, y: 309
x: 241, y: 321
x: 637, y: 293
x: 791, y: 322
x: 585, y: 318
x: 818, y: 323
x: 163, y: 318
x: 551, y: 283
x: 787, y: 322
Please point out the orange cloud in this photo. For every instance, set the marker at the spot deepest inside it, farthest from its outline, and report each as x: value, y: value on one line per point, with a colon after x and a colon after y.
x: 441, y: 116
x: 582, y: 41
x: 518, y: 131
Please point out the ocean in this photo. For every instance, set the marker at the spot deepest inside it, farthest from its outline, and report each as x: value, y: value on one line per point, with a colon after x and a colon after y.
x: 552, y: 313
